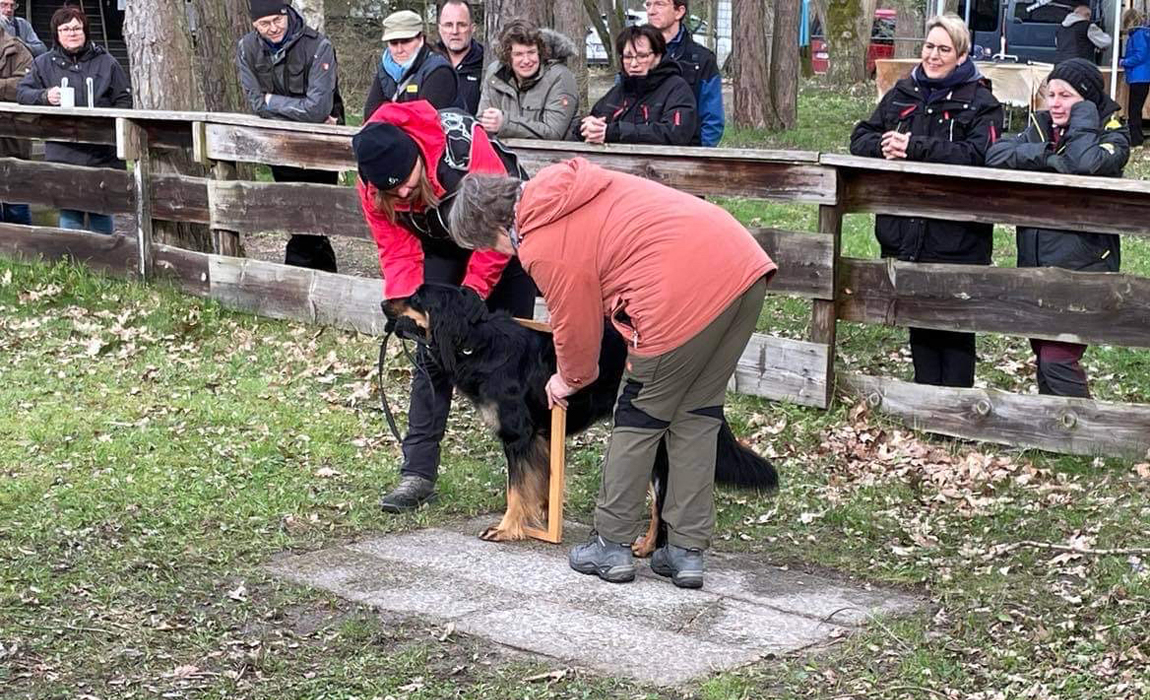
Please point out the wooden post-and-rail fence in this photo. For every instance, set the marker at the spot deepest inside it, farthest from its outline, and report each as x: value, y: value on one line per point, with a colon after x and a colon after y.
x: 1110, y: 308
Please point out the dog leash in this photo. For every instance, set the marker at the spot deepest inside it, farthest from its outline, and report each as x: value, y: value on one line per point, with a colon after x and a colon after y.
x: 387, y: 414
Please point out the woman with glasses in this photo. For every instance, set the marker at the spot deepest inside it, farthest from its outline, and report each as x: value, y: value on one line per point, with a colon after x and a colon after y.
x: 75, y: 58
x: 943, y: 113
x: 650, y: 103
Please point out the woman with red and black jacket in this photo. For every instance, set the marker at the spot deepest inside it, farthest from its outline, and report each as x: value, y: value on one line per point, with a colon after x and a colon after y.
x: 651, y: 102
x: 411, y: 159
x: 943, y: 113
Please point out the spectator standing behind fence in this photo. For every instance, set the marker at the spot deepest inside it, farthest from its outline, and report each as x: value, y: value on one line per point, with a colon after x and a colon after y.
x: 700, y: 69
x: 411, y: 160
x: 683, y: 282
x: 288, y: 71
x: 1136, y: 63
x: 409, y: 70
x: 1078, y: 37
x: 1078, y: 134
x: 943, y: 113
x: 650, y: 103
x: 530, y: 93
x: 79, y: 60
x: 457, y: 43
x: 15, y: 63
x: 20, y: 28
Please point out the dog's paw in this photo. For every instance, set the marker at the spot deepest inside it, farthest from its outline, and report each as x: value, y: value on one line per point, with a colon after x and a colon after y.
x: 496, y: 533
x: 643, y: 547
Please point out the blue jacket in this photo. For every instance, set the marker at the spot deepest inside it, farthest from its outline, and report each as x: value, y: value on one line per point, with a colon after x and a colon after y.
x: 1137, y: 58
x: 701, y: 72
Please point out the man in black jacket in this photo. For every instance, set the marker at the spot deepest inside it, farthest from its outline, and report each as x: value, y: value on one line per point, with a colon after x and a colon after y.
x: 288, y: 71
x: 1078, y: 37
x: 465, y: 53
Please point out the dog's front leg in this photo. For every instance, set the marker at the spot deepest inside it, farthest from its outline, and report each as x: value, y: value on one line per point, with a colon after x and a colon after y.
x: 527, y: 483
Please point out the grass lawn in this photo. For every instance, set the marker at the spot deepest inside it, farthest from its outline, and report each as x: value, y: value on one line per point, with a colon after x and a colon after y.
x: 155, y: 449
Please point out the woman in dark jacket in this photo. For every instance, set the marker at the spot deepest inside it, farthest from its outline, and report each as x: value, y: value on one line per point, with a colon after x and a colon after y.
x: 409, y: 70
x: 1079, y: 134
x: 76, y: 58
x: 943, y: 113
x: 411, y: 160
x: 651, y: 102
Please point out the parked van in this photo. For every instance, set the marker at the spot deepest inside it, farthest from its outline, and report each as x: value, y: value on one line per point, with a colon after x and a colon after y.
x: 1029, y: 27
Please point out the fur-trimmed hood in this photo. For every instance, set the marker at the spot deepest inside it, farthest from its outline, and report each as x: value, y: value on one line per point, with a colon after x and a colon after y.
x: 559, y: 46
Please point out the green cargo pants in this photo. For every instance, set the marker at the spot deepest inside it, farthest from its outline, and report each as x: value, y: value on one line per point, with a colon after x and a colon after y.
x: 678, y: 396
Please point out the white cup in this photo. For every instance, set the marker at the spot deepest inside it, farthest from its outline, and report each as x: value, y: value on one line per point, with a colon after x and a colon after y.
x: 68, y: 97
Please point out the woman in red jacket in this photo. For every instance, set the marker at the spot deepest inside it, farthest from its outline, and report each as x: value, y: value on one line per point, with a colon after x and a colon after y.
x: 411, y: 160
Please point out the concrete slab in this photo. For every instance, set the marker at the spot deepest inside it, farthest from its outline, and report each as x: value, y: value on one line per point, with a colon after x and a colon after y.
x: 524, y: 596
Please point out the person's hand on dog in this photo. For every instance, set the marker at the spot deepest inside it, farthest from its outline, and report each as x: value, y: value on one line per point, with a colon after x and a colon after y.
x: 557, y: 391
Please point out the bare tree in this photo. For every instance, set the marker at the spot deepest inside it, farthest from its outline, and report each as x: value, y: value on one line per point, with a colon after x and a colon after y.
x: 607, y: 30
x: 312, y: 12
x: 766, y: 63
x: 569, y: 18
x: 848, y: 30
x: 219, y: 26
x: 164, y: 76
x: 908, y: 25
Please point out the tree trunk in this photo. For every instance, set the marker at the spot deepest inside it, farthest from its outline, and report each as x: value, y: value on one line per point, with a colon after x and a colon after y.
x: 571, y: 20
x: 312, y: 12
x: 848, y: 30
x: 163, y: 66
x: 603, y: 29
x: 765, y: 61
x: 219, y: 26
x: 908, y: 25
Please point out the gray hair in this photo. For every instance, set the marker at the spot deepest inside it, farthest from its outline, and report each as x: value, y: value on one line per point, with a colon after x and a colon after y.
x: 483, y: 205
x: 955, y: 28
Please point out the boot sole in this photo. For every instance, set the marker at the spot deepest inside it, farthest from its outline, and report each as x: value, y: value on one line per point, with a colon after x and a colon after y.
x: 610, y: 574
x: 395, y: 508
x: 684, y: 579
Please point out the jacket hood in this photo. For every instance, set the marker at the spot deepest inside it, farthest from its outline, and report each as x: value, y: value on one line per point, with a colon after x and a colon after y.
x: 558, y: 45
x: 420, y: 121
x: 655, y: 77
x: 557, y: 191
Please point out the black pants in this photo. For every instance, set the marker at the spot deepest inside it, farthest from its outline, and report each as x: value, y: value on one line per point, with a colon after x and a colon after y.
x: 942, y: 358
x: 431, y: 390
x: 303, y: 250
x: 1136, y: 101
x: 1060, y: 371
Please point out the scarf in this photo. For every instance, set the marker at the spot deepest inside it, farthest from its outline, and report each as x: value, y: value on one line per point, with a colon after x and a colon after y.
x: 396, y: 70
x: 965, y: 72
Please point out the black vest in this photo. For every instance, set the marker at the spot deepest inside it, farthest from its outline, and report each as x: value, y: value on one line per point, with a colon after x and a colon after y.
x: 408, y: 89
x: 287, y: 72
x: 1074, y: 42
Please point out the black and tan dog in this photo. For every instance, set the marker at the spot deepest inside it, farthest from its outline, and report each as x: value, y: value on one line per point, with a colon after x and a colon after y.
x: 503, y: 368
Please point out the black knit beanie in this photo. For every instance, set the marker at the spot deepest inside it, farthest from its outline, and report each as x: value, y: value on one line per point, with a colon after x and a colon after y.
x: 385, y: 154
x: 1084, y: 77
x: 265, y: 8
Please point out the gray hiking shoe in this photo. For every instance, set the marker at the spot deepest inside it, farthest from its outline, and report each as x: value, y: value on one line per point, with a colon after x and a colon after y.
x: 412, y: 492
x: 684, y: 566
x: 607, y: 560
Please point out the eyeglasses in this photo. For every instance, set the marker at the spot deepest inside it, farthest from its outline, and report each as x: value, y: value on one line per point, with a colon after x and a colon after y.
x: 942, y: 50
x: 269, y: 23
x: 637, y: 56
x: 70, y: 30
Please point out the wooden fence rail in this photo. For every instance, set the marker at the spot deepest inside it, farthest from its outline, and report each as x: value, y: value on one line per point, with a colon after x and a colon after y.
x: 1042, y: 303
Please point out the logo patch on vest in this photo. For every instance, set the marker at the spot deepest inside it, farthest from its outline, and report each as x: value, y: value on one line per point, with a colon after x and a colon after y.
x: 413, y: 88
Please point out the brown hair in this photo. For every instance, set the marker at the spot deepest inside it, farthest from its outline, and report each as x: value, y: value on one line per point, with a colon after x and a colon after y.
x: 385, y: 201
x: 524, y: 33
x: 628, y: 35
x: 483, y: 205
x: 65, y: 15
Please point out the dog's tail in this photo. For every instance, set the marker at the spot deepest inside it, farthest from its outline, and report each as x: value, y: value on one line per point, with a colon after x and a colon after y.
x: 737, y: 465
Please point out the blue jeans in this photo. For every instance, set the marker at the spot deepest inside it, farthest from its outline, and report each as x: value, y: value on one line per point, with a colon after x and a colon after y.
x: 15, y: 214
x: 74, y: 219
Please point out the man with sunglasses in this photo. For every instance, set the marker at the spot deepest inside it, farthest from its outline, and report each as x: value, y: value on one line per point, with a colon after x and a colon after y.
x: 288, y: 71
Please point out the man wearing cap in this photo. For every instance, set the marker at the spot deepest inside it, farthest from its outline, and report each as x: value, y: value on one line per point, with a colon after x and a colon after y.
x: 288, y: 71
x: 1078, y: 37
x: 1078, y: 134
x: 411, y: 160
x: 465, y: 53
x: 409, y: 70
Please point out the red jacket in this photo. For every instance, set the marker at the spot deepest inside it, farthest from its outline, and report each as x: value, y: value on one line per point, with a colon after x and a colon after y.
x: 599, y: 242
x: 400, y: 250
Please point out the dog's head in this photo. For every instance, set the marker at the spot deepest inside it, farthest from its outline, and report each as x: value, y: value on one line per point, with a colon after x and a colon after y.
x: 441, y: 315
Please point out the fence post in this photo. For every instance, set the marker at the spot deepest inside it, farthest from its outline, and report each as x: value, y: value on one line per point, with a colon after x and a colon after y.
x: 824, y: 313
x: 224, y: 242
x: 132, y: 145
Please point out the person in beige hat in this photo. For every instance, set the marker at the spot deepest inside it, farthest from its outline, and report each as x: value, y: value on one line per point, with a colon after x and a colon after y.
x: 409, y: 70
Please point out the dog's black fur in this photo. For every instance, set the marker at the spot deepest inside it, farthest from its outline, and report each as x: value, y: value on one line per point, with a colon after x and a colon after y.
x: 503, y: 368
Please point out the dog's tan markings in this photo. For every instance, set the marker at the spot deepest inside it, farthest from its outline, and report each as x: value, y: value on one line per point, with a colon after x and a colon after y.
x: 527, y: 500
x: 645, y: 545
x: 421, y: 320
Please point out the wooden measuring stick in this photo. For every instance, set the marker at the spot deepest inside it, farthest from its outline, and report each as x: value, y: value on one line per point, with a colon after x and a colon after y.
x: 554, y: 531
